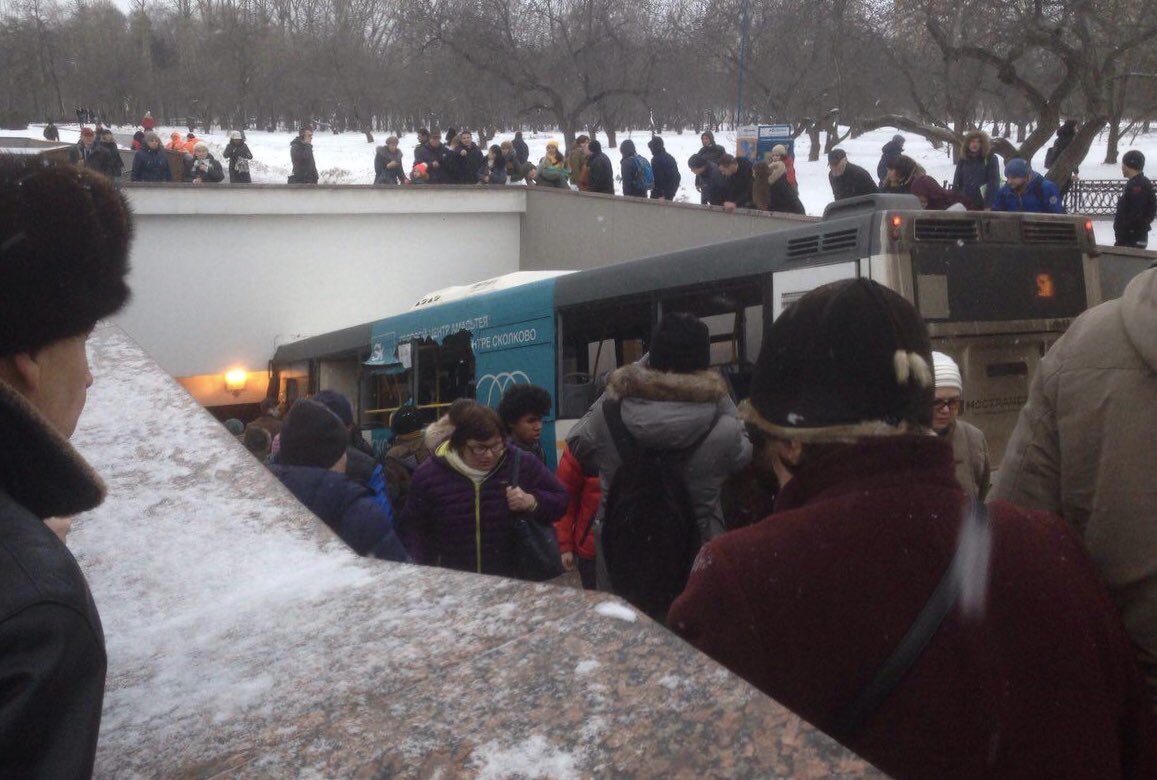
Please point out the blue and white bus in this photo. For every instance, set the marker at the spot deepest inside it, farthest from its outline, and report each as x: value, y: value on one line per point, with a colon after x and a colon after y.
x: 995, y: 289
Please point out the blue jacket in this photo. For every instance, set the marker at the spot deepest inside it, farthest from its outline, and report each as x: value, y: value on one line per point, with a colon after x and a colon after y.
x: 346, y: 507
x: 151, y: 165
x: 1040, y: 195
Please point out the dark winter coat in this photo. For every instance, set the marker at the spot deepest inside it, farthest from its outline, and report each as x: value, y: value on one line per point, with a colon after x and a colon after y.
x: 207, y: 170
x: 601, y: 174
x: 781, y: 196
x: 346, y: 507
x: 629, y: 170
x: 521, y: 150
x: 1039, y: 195
x: 935, y: 197
x: 304, y: 167
x: 1135, y: 212
x: 890, y: 152
x: 151, y: 165
x: 493, y: 176
x: 854, y: 181
x: 463, y: 168
x: 669, y: 411
x: 383, y: 174
x: 977, y: 176
x: 78, y: 154
x: 451, y: 522
x: 739, y: 184
x: 713, y: 185
x: 437, y: 163
x: 666, y: 170
x: 236, y: 152
x: 711, y: 151
x: 52, y: 655
x: 51, y: 133
x: 807, y: 604
x: 106, y: 159
x: 401, y: 461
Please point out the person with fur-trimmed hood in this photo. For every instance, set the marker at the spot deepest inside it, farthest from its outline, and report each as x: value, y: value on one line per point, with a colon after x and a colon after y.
x: 781, y: 196
x: 666, y: 171
x: 1022, y: 668
x: 977, y: 174
x: 64, y: 247
x: 669, y: 400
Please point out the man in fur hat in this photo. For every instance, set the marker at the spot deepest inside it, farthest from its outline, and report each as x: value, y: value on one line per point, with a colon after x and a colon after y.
x: 1018, y: 665
x: 64, y: 245
x: 669, y: 400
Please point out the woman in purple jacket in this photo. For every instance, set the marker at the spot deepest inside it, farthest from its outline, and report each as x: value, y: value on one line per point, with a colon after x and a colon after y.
x: 460, y: 510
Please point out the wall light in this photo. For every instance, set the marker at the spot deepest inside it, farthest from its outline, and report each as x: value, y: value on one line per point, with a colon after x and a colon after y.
x: 235, y: 380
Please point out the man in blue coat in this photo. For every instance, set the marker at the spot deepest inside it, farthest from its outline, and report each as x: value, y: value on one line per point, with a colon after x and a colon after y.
x: 1027, y: 190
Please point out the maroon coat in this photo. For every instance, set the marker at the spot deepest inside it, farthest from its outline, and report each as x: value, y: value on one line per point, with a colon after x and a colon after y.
x: 808, y: 603
x: 441, y: 527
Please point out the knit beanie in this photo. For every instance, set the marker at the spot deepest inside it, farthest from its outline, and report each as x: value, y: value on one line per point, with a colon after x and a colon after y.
x: 312, y: 436
x: 947, y: 372
x: 696, y: 161
x: 680, y: 343
x: 406, y: 419
x: 779, y: 149
x: 1016, y: 167
x: 338, y: 404
x: 64, y: 252
x: 1134, y: 159
x: 848, y: 360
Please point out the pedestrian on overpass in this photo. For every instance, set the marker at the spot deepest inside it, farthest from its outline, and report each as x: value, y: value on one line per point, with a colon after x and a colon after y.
x: 301, y: 156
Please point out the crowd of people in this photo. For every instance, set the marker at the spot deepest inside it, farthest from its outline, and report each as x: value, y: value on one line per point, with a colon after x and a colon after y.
x: 721, y: 179
x: 934, y: 624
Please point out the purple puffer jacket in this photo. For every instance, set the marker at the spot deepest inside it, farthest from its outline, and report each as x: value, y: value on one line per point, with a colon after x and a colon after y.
x: 441, y: 524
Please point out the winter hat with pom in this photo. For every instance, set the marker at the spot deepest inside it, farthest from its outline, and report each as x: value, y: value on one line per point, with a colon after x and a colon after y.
x: 64, y: 252
x: 947, y: 372
x: 312, y: 436
x: 848, y: 360
x: 1016, y: 167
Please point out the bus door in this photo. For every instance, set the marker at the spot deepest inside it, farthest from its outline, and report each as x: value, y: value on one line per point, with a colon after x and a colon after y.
x: 997, y: 290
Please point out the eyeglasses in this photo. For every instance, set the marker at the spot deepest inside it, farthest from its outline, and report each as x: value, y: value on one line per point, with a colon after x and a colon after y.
x: 481, y: 450
x: 942, y: 404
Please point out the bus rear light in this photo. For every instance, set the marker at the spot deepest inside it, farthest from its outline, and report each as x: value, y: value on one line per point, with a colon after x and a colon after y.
x: 1089, y: 227
x: 897, y: 223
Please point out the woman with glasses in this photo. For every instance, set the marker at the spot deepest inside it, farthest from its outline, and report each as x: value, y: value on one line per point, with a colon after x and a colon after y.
x: 462, y: 504
x: 973, y: 467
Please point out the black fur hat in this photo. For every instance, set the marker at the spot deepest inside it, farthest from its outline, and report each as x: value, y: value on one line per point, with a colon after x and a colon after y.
x: 849, y: 359
x: 64, y: 252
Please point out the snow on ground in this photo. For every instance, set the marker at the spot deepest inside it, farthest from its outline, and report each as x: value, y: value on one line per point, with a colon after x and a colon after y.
x: 348, y: 159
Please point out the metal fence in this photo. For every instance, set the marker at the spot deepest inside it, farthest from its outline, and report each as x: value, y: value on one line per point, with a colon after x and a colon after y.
x: 1094, y: 197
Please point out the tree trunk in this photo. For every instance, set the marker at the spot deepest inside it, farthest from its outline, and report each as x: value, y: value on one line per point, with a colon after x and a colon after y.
x: 813, y: 134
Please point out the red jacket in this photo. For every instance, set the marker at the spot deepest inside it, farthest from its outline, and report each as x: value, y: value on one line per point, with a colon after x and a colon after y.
x: 809, y: 602
x: 574, y: 528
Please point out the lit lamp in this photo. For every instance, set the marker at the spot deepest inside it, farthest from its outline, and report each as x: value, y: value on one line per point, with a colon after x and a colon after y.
x: 235, y: 380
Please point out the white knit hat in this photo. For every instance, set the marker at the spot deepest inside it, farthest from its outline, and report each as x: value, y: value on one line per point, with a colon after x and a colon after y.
x: 947, y: 372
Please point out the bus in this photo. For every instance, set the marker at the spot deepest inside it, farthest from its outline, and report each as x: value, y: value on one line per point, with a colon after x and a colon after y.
x: 995, y: 289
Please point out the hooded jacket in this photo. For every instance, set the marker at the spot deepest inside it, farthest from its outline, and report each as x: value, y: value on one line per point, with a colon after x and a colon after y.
x: 666, y: 171
x: 1081, y: 449
x: 601, y: 176
x: 52, y: 655
x: 888, y: 153
x: 346, y: 507
x: 450, y: 521
x: 304, y: 167
x: 668, y: 411
x: 151, y: 165
x: 780, y: 194
x: 977, y: 175
x: 574, y: 528
x: 628, y: 168
x: 808, y: 604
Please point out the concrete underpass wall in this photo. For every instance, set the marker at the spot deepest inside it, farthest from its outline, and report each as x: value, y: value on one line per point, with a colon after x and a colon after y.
x: 564, y: 230
x: 221, y: 276
x: 1117, y: 265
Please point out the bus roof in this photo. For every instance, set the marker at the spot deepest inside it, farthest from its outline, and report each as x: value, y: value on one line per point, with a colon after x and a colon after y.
x: 504, y: 282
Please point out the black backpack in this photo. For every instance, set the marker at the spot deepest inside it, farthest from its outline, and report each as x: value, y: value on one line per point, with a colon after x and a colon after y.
x: 650, y: 535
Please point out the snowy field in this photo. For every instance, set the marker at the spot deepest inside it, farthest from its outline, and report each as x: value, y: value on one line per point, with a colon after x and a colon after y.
x: 348, y: 159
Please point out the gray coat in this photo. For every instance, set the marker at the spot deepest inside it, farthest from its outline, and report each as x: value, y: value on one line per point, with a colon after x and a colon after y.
x: 668, y: 411
x: 1082, y: 445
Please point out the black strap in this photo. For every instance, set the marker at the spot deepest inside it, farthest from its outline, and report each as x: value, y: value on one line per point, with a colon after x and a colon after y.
x: 973, y: 543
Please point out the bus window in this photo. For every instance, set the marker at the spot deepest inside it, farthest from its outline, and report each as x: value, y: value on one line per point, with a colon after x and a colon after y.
x: 444, y: 372
x: 726, y: 311
x: 600, y: 338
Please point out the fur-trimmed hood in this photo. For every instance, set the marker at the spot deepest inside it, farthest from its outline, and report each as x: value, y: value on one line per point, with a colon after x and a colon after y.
x: 438, y: 431
x: 775, y: 171
x: 638, y: 381
x: 985, y: 143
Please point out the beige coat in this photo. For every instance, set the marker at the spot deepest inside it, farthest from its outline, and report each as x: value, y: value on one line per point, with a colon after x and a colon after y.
x: 970, y: 450
x: 1083, y: 448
